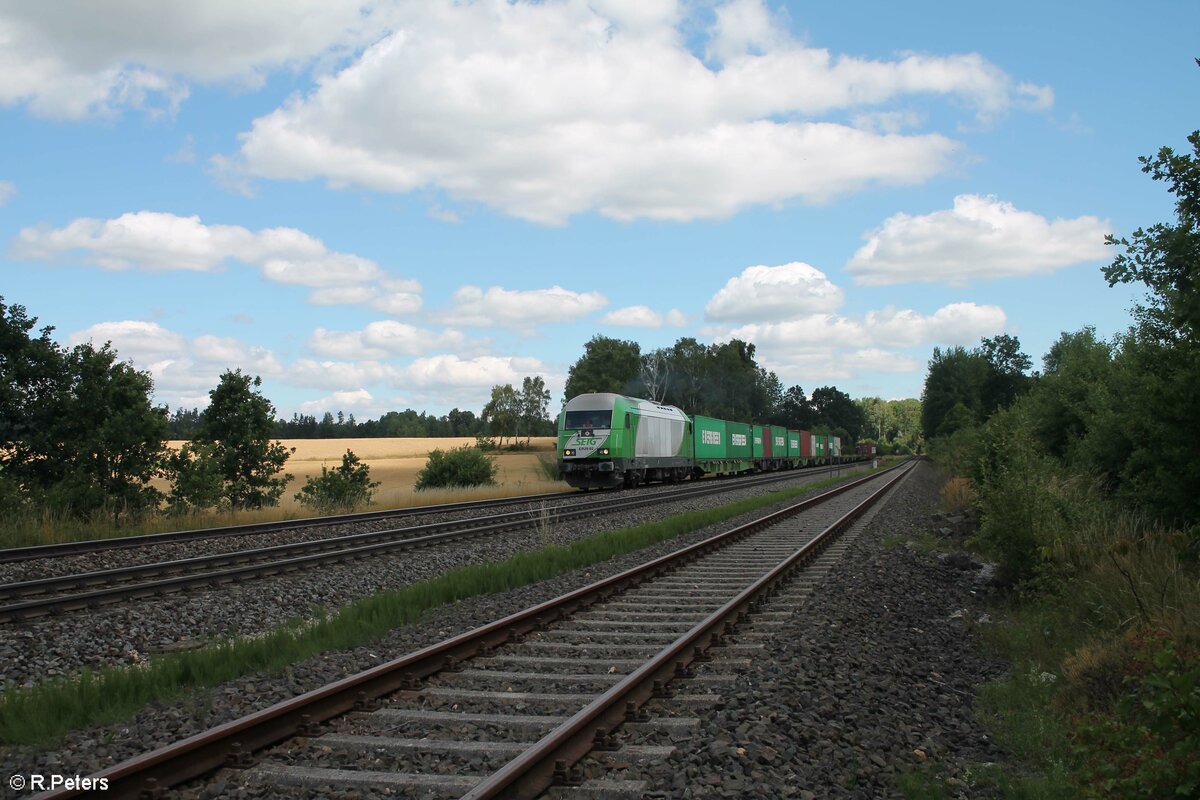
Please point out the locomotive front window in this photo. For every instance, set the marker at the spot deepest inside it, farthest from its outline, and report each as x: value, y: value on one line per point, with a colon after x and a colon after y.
x: 588, y: 420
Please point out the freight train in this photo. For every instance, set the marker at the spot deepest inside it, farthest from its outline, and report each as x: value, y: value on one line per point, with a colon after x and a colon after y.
x: 608, y: 440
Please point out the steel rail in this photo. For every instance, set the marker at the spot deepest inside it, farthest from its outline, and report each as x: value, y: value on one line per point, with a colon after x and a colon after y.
x: 202, y: 571
x: 550, y: 759
x: 149, y: 774
x: 17, y: 554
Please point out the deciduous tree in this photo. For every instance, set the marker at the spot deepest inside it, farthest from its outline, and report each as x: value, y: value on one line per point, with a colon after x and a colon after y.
x: 237, y: 425
x: 607, y: 365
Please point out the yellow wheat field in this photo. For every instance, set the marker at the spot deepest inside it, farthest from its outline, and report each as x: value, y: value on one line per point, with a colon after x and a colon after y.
x: 396, y: 462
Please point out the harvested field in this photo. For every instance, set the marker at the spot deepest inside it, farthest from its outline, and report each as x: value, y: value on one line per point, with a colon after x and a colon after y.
x: 396, y: 462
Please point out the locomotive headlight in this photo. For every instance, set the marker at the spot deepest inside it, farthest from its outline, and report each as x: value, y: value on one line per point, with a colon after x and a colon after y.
x: 568, y: 452
x: 603, y: 451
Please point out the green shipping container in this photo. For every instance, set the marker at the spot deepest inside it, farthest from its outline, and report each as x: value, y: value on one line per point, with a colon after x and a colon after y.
x: 760, y: 446
x: 793, y: 441
x: 821, y: 443
x: 740, y: 437
x: 711, y: 438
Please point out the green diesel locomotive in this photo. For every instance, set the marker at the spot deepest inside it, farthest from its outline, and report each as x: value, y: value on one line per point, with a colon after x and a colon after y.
x: 607, y: 440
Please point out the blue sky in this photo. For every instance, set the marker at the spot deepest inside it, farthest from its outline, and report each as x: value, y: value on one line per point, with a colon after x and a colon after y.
x: 377, y: 206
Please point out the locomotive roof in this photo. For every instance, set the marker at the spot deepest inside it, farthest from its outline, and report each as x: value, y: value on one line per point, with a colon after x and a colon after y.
x: 604, y: 401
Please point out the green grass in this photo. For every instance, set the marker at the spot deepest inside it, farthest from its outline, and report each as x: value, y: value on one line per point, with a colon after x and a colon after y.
x: 43, y: 713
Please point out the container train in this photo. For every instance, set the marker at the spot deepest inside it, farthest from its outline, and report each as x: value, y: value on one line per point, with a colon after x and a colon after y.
x: 608, y: 440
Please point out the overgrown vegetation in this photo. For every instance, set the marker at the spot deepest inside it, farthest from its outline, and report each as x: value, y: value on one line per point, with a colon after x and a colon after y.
x: 1088, y: 497
x: 459, y: 466
x: 40, y: 714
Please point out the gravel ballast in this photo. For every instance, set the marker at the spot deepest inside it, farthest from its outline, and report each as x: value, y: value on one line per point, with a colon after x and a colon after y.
x: 873, y: 675
x: 128, y: 632
x: 790, y: 726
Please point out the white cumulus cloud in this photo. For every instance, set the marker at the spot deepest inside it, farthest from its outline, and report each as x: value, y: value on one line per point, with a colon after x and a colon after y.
x: 957, y: 323
x: 645, y: 317
x: 138, y: 340
x: 980, y: 238
x: 519, y: 309
x: 74, y: 58
x: 7, y: 190
x: 155, y: 241
x: 549, y: 109
x: 381, y: 339
x: 449, y: 371
x: 763, y: 293
x: 831, y: 347
x: 354, y: 401
x: 184, y: 370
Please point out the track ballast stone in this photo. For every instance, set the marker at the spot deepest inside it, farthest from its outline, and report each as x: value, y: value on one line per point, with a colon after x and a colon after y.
x: 902, y: 680
x: 873, y: 675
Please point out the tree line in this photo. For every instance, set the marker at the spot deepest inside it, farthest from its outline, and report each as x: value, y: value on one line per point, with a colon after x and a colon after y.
x: 1123, y: 411
x: 510, y: 412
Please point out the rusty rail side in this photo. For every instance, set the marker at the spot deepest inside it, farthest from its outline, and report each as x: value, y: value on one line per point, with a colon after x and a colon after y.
x: 535, y: 770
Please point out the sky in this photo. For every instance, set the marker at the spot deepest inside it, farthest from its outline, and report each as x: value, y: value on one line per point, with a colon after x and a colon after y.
x: 387, y: 205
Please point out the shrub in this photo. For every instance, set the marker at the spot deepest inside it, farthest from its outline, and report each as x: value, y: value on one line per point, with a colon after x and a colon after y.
x: 957, y: 495
x: 1094, y: 674
x: 1148, y: 747
x: 461, y: 466
x: 340, y: 489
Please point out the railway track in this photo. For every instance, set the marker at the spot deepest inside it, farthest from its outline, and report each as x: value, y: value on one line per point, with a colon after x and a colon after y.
x: 14, y: 555
x: 42, y: 597
x: 510, y: 708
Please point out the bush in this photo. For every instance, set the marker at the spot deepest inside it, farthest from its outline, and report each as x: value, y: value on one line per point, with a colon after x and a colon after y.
x: 1148, y: 747
x: 340, y: 489
x: 461, y: 466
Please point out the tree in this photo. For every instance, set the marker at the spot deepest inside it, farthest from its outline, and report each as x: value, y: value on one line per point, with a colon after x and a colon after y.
x: 834, y: 409
x: 237, y: 425
x: 1157, y: 365
x: 688, y: 364
x: 196, y: 480
x: 33, y: 387
x: 1071, y: 395
x: 340, y: 489
x: 795, y: 411
x: 533, y: 402
x: 655, y: 373
x: 503, y: 412
x: 112, y: 438
x: 1007, y: 378
x: 956, y: 375
x: 77, y: 428
x: 607, y: 365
